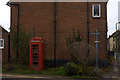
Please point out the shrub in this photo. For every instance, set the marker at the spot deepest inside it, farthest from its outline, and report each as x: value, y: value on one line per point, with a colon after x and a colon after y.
x: 23, y: 47
x: 74, y: 37
x: 60, y: 71
x: 81, y: 52
x: 55, y: 71
x: 9, y: 67
x: 72, y: 69
x: 111, y: 60
x: 91, y: 71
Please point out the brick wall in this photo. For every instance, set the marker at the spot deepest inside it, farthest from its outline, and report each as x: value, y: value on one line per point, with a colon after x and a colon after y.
x: 38, y: 18
x: 5, y: 50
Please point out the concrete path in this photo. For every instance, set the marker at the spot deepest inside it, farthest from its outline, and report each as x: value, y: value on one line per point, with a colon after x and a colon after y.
x: 114, y: 73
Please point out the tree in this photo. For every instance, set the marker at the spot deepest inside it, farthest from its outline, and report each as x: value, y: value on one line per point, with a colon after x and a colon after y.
x: 82, y: 53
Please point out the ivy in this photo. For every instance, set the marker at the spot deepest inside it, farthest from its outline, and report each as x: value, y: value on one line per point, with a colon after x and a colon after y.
x: 23, y: 46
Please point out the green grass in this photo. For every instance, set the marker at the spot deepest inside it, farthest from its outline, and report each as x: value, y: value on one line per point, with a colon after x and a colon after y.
x: 85, y: 77
x: 22, y: 69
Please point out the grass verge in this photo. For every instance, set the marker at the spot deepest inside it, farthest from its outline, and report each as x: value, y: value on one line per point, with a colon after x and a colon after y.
x: 23, y: 69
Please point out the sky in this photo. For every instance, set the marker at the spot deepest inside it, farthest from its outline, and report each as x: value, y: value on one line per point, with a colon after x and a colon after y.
x: 4, y: 14
x: 112, y: 15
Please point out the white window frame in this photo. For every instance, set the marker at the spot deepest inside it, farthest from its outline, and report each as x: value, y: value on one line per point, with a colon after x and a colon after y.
x: 93, y: 11
x: 3, y: 44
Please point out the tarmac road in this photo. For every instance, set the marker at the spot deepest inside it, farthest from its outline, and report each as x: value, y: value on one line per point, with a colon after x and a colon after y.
x: 43, y: 77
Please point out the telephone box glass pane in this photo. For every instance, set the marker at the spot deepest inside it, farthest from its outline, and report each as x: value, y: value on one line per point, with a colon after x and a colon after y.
x: 35, y: 55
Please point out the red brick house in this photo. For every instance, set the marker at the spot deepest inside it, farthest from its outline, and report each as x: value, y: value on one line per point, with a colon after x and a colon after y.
x: 4, y: 45
x: 55, y: 20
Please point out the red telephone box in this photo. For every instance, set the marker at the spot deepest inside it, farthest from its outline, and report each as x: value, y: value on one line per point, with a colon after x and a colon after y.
x: 36, y: 54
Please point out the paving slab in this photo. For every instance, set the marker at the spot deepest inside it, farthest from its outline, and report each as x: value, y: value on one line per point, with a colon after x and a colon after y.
x: 114, y: 73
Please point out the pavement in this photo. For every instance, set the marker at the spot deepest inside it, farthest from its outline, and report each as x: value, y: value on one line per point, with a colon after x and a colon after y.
x: 33, y: 77
x: 47, y: 77
x: 114, y: 73
x: 42, y: 77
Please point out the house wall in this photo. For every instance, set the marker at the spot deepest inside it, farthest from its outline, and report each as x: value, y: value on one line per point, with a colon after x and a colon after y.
x: 38, y: 18
x: 111, y: 43
x: 5, y: 49
x: 101, y: 25
x: 1, y: 49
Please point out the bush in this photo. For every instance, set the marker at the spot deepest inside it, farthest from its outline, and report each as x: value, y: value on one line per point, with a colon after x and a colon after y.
x: 91, y: 71
x: 9, y: 67
x: 23, y: 47
x: 60, y: 71
x: 72, y: 69
x: 75, y: 69
x: 111, y: 60
x: 81, y: 52
x: 54, y: 71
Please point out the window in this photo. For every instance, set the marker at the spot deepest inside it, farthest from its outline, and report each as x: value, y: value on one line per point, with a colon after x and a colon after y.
x: 96, y: 10
x: 113, y: 38
x: 113, y: 46
x: 1, y: 43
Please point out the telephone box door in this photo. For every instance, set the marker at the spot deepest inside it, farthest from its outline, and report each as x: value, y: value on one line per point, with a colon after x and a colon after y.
x: 36, y: 54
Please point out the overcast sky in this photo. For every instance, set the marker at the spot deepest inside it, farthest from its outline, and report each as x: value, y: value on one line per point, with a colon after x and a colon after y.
x: 4, y: 14
x: 112, y: 15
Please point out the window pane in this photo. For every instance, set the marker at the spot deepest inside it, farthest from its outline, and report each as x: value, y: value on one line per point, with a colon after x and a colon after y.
x: 1, y: 41
x: 1, y: 45
x: 113, y: 38
x: 113, y: 46
x: 96, y: 10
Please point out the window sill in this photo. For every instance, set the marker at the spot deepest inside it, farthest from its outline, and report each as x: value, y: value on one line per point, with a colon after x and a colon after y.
x: 96, y: 17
